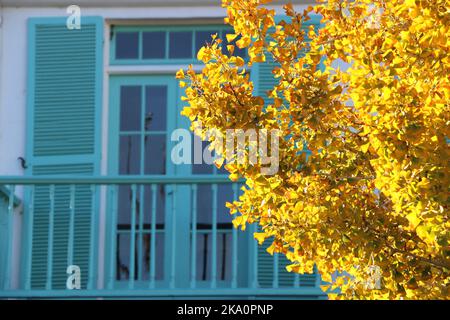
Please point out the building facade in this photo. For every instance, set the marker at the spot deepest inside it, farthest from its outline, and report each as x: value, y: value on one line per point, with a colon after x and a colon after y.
x: 91, y: 205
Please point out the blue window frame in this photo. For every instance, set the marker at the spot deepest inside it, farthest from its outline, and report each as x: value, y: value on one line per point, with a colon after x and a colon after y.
x: 144, y: 111
x: 163, y: 44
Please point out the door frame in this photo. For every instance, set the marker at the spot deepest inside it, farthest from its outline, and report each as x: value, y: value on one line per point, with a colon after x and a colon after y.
x: 183, y: 200
x: 115, y: 82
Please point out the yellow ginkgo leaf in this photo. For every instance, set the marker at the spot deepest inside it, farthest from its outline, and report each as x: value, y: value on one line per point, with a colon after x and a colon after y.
x: 365, y: 147
x: 260, y: 236
x: 231, y: 37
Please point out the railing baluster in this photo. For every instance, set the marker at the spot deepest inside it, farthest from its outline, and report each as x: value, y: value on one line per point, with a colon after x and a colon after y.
x: 214, y: 238
x: 153, y: 239
x: 194, y: 237
x: 132, y: 237
x: 224, y: 256
x: 48, y: 285
x: 255, y: 258
x: 275, y: 271
x: 318, y: 281
x: 141, y: 227
x: 112, y: 254
x: 71, y: 225
x: 234, y: 261
x: 173, y: 236
x: 8, y: 275
x: 296, y: 280
x: 29, y: 235
x: 93, y: 242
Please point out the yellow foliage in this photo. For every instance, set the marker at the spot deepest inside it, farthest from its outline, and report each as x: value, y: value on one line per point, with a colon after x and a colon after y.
x: 372, y: 196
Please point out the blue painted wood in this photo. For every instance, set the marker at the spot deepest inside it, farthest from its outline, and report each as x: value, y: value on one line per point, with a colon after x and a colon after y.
x: 5, y: 193
x: 194, y: 238
x: 234, y: 259
x: 214, y: 238
x: 153, y: 239
x: 51, y: 224
x: 92, y: 277
x: 254, y: 260
x: 71, y: 226
x: 9, y: 242
x: 29, y: 238
x: 173, y: 236
x: 64, y: 94
x: 222, y: 31
x: 141, y: 233
x: 218, y: 293
x: 116, y: 82
x: 132, y: 237
x: 275, y: 283
x: 4, y: 241
x: 111, y: 248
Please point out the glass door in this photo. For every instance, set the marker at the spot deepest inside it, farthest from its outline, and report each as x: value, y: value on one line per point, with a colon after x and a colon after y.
x: 142, y: 116
x: 167, y: 235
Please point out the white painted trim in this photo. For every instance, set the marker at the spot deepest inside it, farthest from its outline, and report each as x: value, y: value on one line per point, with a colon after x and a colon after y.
x: 168, y: 21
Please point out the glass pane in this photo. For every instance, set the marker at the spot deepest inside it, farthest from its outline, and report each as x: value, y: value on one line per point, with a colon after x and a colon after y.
x: 224, y: 250
x: 127, y: 44
x: 204, y: 256
x: 124, y: 207
x: 123, y: 256
x: 154, y: 45
x: 160, y: 206
x: 203, y: 37
x: 204, y: 207
x: 155, y: 154
x: 130, y: 108
x: 159, y: 256
x: 130, y: 154
x: 224, y: 195
x: 156, y: 108
x: 180, y: 45
x: 222, y: 169
x: 237, y: 51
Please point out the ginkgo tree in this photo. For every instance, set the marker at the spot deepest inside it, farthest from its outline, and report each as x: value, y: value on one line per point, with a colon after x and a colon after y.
x: 373, y: 189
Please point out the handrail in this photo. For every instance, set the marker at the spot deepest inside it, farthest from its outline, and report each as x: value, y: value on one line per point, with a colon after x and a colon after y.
x: 107, y: 180
x: 6, y: 193
x: 306, y: 292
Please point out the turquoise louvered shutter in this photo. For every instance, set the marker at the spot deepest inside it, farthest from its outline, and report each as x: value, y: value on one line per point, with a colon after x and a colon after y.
x: 267, y: 271
x: 265, y: 81
x: 64, y: 106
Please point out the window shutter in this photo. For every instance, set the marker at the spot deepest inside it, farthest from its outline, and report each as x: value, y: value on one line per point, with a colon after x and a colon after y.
x: 64, y: 109
x: 264, y: 81
x: 266, y: 270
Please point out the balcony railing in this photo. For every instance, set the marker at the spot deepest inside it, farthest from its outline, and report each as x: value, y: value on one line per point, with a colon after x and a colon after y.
x: 58, y: 231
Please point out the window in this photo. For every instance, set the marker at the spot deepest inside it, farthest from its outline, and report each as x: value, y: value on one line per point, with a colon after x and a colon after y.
x: 156, y: 45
